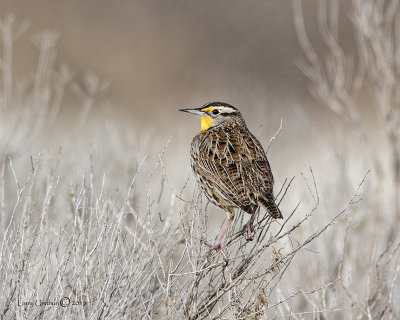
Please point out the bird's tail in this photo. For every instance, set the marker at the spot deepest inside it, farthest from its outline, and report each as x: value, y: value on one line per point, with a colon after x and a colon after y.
x: 269, y: 203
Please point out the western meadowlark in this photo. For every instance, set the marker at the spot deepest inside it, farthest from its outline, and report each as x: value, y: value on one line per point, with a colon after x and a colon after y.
x: 230, y: 165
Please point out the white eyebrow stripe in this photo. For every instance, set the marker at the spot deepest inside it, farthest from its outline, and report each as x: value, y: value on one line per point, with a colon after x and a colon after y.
x: 226, y: 110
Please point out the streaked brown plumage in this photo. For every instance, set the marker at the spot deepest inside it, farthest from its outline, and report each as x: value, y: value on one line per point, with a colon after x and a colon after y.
x: 230, y: 164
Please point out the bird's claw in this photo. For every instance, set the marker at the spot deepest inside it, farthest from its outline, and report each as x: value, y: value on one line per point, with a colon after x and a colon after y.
x: 249, y: 237
x: 248, y: 227
x: 211, y: 246
x: 216, y: 246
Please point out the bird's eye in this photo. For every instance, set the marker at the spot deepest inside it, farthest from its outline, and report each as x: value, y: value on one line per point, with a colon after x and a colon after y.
x: 215, y: 112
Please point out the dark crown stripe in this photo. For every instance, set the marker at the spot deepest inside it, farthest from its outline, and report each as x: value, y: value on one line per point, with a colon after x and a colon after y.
x: 218, y: 104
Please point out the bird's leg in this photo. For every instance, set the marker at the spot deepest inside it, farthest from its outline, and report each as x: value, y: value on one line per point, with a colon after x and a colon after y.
x: 217, y: 245
x: 249, y: 225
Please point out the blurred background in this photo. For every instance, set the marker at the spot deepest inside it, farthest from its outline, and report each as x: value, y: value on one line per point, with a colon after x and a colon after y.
x: 162, y: 56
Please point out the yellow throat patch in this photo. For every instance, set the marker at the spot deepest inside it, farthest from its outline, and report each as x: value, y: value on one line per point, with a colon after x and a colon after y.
x: 206, y: 122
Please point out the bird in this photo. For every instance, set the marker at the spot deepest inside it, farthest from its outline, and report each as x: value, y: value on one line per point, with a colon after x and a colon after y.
x: 231, y: 166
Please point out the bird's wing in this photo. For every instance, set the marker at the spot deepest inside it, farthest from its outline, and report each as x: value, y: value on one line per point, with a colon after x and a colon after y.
x: 234, y: 163
x: 262, y: 178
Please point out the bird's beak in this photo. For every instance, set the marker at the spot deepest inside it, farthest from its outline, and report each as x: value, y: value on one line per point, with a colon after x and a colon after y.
x: 197, y: 112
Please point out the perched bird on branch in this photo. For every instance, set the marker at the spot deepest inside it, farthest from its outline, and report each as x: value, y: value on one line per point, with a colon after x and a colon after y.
x: 231, y: 166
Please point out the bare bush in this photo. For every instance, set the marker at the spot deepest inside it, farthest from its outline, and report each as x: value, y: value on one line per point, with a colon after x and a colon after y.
x: 109, y: 268
x: 338, y: 79
x: 29, y: 104
x: 341, y: 81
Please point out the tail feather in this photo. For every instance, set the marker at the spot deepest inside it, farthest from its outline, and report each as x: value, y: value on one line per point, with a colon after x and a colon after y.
x: 272, y: 208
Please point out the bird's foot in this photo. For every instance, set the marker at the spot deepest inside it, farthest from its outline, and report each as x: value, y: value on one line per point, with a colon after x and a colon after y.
x: 249, y: 228
x: 217, y: 247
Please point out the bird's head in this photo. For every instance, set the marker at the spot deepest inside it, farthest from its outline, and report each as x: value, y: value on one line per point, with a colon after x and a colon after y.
x: 214, y: 113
